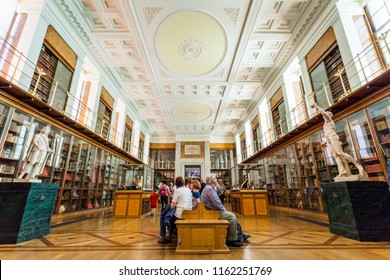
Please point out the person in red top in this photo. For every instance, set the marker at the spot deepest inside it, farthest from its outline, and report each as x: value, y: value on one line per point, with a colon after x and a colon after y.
x: 153, y: 202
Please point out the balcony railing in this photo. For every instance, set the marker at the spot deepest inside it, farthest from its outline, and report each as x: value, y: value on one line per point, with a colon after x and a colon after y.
x: 19, y: 70
x: 362, y: 69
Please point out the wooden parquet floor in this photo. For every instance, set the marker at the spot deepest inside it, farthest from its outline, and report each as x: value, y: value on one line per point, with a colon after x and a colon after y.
x: 286, y: 235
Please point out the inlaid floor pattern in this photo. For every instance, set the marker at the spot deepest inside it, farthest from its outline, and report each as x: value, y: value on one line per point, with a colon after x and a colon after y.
x: 285, y: 235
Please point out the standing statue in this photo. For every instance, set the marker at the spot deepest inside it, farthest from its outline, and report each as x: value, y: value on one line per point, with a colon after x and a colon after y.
x: 37, y: 155
x: 334, y: 145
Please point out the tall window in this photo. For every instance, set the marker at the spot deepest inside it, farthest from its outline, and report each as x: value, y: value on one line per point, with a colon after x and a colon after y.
x: 279, y: 114
x: 141, y: 146
x: 256, y: 135
x: 329, y: 79
x: 378, y: 25
x: 103, y: 120
x: 127, y: 135
x: 51, y: 80
x: 53, y: 74
x: 127, y: 138
x: 243, y: 145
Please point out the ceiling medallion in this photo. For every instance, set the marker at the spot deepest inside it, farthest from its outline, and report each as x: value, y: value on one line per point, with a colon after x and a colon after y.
x: 190, y: 49
x: 191, y: 111
x: 191, y: 43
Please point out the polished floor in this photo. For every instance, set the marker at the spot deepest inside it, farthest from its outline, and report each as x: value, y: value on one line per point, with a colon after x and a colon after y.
x: 285, y: 235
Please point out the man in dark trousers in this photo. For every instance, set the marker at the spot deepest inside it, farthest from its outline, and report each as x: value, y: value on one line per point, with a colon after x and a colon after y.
x: 211, y: 201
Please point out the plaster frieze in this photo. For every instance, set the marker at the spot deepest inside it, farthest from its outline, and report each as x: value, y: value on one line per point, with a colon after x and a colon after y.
x: 232, y: 13
x: 150, y: 13
x: 299, y: 35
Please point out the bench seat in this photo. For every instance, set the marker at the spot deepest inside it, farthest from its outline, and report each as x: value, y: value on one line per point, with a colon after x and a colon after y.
x: 201, y: 231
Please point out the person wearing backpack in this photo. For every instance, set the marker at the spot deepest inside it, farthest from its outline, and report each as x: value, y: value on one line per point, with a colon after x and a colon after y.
x: 182, y: 200
x: 163, y: 191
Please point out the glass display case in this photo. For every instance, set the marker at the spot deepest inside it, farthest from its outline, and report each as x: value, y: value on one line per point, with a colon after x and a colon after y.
x: 60, y: 171
x: 292, y: 175
x: 164, y: 165
x: 219, y: 159
x: 380, y: 115
x: 48, y: 172
x: 318, y: 142
x: 15, y: 135
x: 131, y: 176
x: 365, y: 147
x: 148, y: 178
x: 102, y: 178
x: 159, y: 176
x: 90, y: 179
x: 163, y: 158
x: 220, y: 163
x: 86, y: 175
x: 305, y: 161
x: 4, y: 111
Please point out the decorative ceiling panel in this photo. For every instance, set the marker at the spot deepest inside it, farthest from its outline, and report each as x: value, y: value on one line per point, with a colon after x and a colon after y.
x: 217, y: 54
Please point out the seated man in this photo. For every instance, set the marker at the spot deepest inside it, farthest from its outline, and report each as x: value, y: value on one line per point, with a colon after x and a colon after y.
x: 212, y: 202
x: 182, y: 200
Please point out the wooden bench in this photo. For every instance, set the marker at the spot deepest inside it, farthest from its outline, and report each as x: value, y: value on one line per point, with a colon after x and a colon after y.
x: 201, y: 231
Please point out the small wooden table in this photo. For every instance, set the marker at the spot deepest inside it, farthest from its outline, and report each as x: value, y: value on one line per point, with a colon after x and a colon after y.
x: 250, y: 202
x: 131, y: 203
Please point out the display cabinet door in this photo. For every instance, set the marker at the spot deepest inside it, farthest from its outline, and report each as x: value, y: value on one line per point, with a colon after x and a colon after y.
x: 319, y: 157
x: 292, y: 171
x: 4, y: 111
x: 14, y: 147
x: 47, y: 172
x: 64, y: 146
x: 365, y: 147
x: 380, y: 117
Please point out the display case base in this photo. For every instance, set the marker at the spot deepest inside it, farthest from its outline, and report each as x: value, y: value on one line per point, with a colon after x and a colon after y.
x: 26, y: 210
x: 358, y: 210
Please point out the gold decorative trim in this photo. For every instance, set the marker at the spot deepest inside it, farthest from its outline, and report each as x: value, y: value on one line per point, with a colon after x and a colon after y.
x: 192, y: 149
x: 162, y: 146
x: 57, y: 45
x: 222, y: 146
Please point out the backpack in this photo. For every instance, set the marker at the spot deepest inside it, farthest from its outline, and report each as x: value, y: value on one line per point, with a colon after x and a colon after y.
x: 163, y: 190
x: 195, y: 203
x: 171, y: 190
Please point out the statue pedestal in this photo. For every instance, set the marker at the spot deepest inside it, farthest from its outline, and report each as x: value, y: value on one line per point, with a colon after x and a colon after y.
x: 358, y: 210
x: 25, y: 210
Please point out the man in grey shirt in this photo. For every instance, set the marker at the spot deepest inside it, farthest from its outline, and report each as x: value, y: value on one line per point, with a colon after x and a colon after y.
x: 212, y: 202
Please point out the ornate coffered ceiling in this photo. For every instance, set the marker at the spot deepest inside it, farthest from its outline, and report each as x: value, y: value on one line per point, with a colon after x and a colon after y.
x: 193, y: 68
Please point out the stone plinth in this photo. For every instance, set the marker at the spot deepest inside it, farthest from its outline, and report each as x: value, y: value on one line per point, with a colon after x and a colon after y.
x: 358, y: 210
x: 25, y: 210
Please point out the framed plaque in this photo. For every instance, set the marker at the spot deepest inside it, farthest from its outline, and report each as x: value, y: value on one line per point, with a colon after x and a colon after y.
x: 192, y: 149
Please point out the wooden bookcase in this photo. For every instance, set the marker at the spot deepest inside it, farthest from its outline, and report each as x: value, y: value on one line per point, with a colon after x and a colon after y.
x: 103, y: 120
x: 333, y: 63
x: 16, y: 131
x: 51, y: 80
x: 46, y: 65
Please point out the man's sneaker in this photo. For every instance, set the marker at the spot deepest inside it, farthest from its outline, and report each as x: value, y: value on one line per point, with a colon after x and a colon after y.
x: 233, y: 243
x: 245, y: 237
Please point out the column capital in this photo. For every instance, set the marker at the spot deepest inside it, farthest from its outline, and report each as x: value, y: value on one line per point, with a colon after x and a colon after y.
x: 30, y: 6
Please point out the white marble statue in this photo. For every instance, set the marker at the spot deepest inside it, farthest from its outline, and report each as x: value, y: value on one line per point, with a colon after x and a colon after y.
x: 37, y: 155
x: 334, y: 145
